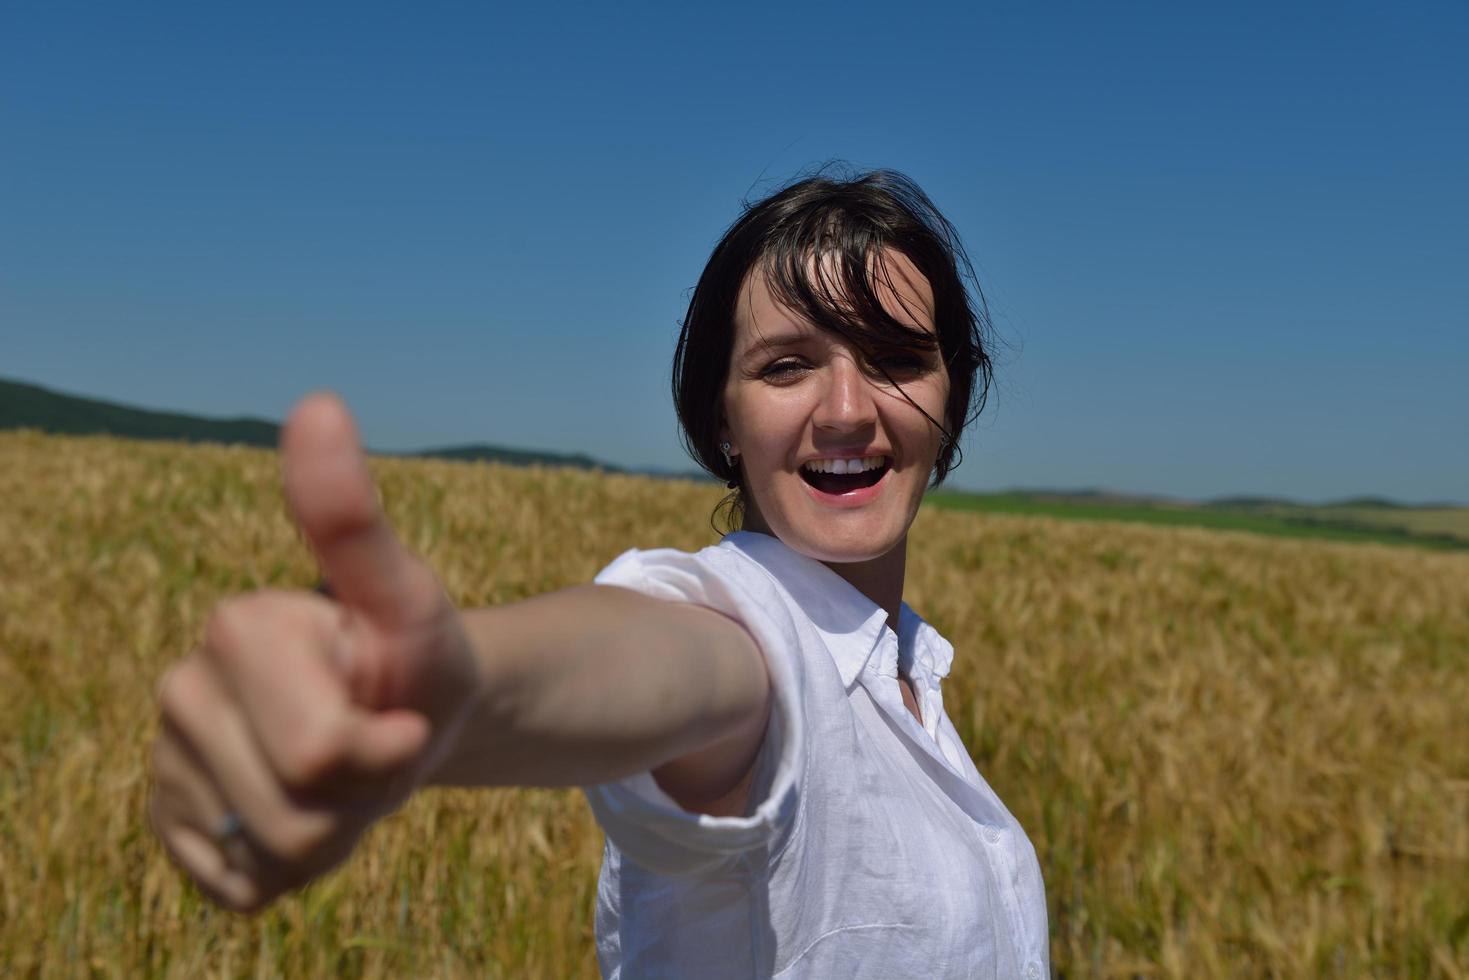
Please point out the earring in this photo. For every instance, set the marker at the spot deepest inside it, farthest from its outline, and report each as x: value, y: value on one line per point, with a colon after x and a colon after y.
x: 724, y: 448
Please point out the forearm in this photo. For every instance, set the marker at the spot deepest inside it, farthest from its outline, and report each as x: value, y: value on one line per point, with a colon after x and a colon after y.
x: 595, y: 682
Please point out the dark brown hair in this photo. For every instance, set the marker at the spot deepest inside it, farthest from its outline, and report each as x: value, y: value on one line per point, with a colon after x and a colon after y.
x: 849, y: 222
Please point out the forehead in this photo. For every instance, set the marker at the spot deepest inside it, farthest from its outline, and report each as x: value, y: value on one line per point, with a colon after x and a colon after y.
x: 902, y: 290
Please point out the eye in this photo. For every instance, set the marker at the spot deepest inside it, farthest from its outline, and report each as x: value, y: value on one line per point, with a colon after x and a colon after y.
x: 784, y: 370
x: 898, y: 364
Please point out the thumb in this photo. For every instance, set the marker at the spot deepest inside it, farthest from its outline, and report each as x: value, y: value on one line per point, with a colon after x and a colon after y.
x: 331, y: 496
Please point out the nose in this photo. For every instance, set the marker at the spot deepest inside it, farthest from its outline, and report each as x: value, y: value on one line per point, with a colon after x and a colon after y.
x: 847, y: 399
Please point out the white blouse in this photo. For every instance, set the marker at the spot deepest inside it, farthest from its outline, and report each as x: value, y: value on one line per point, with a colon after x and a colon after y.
x: 872, y: 847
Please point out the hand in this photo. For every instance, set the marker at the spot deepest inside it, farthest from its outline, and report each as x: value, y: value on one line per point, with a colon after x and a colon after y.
x: 302, y: 719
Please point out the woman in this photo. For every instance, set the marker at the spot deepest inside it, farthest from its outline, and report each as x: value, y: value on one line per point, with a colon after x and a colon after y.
x: 768, y: 752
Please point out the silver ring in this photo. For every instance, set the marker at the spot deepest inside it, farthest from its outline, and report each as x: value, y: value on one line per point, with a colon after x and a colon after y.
x: 229, y: 827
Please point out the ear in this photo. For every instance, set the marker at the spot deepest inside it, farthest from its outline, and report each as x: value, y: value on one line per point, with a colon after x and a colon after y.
x: 726, y: 436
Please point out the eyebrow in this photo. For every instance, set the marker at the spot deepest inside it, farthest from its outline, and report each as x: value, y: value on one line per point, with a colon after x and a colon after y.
x: 776, y: 342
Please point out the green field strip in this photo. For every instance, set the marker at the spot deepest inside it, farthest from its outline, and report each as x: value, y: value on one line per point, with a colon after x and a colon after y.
x: 1212, y: 519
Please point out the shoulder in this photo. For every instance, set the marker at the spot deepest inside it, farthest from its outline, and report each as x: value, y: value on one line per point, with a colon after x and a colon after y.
x: 720, y: 575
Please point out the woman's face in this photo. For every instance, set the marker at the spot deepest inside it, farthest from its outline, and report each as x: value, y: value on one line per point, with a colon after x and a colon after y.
x: 801, y: 402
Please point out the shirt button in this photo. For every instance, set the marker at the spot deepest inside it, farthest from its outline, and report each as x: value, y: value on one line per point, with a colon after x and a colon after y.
x: 1033, y: 970
x: 992, y: 834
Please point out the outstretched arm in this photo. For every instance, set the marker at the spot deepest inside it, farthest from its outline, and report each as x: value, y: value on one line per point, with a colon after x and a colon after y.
x: 595, y: 682
x: 301, y: 720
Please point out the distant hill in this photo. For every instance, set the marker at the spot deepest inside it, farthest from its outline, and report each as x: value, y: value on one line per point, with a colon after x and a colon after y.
x: 1094, y: 495
x: 29, y: 406
x: 514, y: 457
x: 1250, y: 503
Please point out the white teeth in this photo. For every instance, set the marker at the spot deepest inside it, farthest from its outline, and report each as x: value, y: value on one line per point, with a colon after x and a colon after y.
x: 843, y: 466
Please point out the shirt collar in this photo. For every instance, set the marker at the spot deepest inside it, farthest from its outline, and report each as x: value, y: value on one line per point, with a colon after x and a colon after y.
x: 851, y: 624
x: 920, y: 643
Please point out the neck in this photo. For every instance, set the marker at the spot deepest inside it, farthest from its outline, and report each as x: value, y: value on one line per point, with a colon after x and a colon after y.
x: 879, y: 579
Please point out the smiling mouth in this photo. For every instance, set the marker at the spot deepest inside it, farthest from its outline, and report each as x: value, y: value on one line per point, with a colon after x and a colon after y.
x: 840, y: 483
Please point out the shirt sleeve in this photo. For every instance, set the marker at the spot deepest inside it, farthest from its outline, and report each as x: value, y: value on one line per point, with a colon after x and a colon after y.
x: 637, y: 816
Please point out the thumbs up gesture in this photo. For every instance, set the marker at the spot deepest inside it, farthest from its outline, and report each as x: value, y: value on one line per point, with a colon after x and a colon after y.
x: 301, y: 719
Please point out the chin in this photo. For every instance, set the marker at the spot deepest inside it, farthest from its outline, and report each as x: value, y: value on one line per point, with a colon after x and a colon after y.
x: 835, y: 535
x: 838, y: 546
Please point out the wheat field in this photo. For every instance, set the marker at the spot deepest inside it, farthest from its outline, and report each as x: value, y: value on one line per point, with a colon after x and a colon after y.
x: 1236, y: 755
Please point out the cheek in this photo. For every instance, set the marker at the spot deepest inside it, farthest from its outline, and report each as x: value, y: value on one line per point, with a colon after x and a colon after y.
x: 938, y: 407
x: 765, y: 426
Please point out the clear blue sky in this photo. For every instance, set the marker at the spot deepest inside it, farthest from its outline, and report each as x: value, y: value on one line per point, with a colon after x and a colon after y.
x: 1228, y: 245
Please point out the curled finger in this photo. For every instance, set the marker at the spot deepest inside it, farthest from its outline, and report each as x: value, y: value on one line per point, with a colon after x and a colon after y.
x: 280, y: 838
